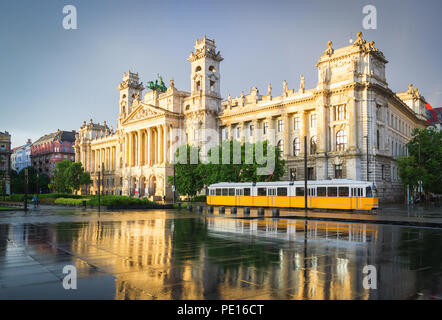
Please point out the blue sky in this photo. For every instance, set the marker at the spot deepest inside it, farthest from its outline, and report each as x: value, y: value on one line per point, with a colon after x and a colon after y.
x: 53, y: 78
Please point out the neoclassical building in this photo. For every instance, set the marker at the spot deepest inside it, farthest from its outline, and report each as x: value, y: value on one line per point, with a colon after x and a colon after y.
x: 352, y: 120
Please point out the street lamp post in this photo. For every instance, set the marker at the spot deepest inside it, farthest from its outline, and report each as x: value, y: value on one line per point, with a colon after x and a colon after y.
x: 26, y: 189
x: 174, y: 182
x: 366, y: 151
x: 99, y: 187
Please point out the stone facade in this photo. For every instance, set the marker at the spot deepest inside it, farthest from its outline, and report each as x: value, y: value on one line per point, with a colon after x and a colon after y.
x: 5, y: 161
x: 350, y: 116
x: 21, y: 156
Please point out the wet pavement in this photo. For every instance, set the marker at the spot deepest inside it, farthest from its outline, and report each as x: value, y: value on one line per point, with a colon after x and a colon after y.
x: 169, y: 254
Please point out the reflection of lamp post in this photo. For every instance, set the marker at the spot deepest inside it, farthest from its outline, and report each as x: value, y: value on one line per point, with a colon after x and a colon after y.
x: 305, y: 174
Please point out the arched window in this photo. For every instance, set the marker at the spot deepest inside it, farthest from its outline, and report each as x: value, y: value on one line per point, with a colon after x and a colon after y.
x: 296, y: 147
x: 341, y: 140
x: 198, y: 69
x: 313, y: 141
x: 212, y: 68
x: 280, y: 145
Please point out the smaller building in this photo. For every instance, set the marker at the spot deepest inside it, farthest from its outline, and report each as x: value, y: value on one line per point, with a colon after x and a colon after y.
x: 5, y: 162
x: 52, y: 148
x: 434, y: 117
x: 21, y: 156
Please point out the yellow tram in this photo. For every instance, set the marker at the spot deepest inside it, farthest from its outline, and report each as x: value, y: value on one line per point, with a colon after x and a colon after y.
x: 341, y: 194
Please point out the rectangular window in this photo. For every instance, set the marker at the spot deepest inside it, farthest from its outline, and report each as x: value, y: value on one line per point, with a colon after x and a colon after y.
x: 343, y: 191
x: 231, y: 191
x: 251, y: 127
x: 225, y: 192
x: 224, y: 134
x: 262, y: 191
x: 322, y: 191
x: 297, y: 123
x: 313, y: 120
x: 247, y: 191
x: 239, y: 192
x: 266, y: 127
x: 237, y: 132
x: 368, y: 192
x: 310, y: 174
x: 292, y: 174
x: 338, y: 171
x: 282, y: 192
x: 341, y: 112
x: 300, y: 191
x: 280, y: 125
x: 332, y: 191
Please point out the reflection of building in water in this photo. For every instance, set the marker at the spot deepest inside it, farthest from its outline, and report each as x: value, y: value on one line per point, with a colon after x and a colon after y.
x: 234, y: 259
x: 330, y: 271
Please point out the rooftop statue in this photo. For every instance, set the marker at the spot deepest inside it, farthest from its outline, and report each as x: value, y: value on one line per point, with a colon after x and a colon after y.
x: 161, y: 87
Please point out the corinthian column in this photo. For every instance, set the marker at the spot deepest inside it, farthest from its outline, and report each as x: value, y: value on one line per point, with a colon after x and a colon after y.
x: 353, y: 121
x: 140, y: 149
x: 303, y: 129
x: 286, y: 135
x: 131, y: 144
x: 166, y: 144
x: 149, y: 146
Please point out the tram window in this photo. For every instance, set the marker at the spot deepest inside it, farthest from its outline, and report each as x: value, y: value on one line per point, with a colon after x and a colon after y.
x: 322, y: 191
x: 271, y: 192
x: 282, y: 192
x: 231, y: 191
x: 262, y: 191
x: 247, y: 191
x: 368, y: 192
x: 332, y: 191
x: 225, y: 192
x: 359, y: 192
x: 239, y: 192
x: 212, y: 192
x: 218, y: 191
x: 299, y: 192
x: 343, y: 191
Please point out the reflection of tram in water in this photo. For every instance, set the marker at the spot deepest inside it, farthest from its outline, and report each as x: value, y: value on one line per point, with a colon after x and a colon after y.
x: 288, y: 229
x: 339, y: 194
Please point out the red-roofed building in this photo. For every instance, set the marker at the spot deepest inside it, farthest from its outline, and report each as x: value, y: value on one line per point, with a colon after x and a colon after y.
x: 52, y: 148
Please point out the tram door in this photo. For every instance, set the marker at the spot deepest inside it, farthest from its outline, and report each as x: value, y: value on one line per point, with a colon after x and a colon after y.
x: 271, y: 195
x: 356, y: 194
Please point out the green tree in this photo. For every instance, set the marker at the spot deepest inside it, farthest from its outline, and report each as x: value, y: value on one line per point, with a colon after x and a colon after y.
x: 43, y: 182
x: 424, y: 162
x: 60, y: 178
x: 69, y: 176
x: 189, y: 174
x: 257, y: 162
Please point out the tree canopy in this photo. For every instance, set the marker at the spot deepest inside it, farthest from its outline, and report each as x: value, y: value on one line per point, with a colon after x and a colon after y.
x: 37, y: 182
x: 424, y: 161
x: 69, y: 176
x: 230, y: 161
